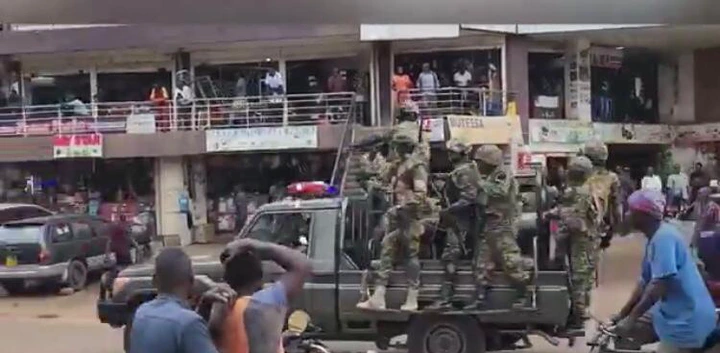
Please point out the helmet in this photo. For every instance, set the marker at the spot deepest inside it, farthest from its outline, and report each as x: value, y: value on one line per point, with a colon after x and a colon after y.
x: 596, y: 151
x: 457, y: 146
x: 490, y: 154
x: 580, y: 164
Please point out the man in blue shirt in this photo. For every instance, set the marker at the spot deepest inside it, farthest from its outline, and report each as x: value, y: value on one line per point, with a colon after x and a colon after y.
x: 670, y: 293
x: 167, y: 324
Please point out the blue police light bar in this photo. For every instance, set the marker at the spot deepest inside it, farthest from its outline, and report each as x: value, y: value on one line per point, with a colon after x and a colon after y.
x: 331, y: 190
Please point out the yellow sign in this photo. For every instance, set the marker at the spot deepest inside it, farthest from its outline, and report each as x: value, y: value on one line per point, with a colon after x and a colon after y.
x: 11, y: 261
x: 476, y: 130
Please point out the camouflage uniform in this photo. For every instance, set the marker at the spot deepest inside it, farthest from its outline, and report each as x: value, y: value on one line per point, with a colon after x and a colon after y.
x: 462, y: 195
x: 498, y: 245
x: 407, y: 177
x: 412, y: 130
x: 578, y: 229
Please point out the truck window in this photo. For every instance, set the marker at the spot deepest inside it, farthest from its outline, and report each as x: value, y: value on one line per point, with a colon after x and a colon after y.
x: 291, y: 229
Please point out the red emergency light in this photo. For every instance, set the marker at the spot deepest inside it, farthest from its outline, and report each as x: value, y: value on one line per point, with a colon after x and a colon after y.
x: 311, y: 189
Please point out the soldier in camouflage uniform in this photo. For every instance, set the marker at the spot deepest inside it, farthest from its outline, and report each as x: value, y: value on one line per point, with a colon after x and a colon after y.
x: 605, y: 188
x: 462, y: 195
x: 578, y: 230
x: 497, y: 246
x: 407, y: 176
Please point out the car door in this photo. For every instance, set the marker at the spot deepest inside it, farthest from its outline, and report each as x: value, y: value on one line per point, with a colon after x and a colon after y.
x: 90, y: 245
x: 61, y: 245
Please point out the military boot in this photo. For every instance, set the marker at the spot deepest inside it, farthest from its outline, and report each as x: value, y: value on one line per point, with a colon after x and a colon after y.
x: 479, y: 302
x: 411, y: 301
x: 376, y: 300
x: 445, y: 301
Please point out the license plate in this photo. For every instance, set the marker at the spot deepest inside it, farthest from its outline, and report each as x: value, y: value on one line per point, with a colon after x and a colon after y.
x: 11, y: 261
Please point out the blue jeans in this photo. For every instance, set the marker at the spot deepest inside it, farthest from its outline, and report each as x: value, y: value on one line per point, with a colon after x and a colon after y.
x: 603, y: 109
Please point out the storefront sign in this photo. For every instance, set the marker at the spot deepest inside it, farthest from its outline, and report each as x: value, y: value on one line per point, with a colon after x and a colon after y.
x: 697, y: 133
x: 610, y: 58
x: 140, y: 124
x: 560, y: 131
x: 481, y: 130
x: 261, y: 138
x: 634, y: 133
x: 77, y: 146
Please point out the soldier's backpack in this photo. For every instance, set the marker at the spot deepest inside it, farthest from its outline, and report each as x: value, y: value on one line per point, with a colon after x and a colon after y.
x: 600, y: 185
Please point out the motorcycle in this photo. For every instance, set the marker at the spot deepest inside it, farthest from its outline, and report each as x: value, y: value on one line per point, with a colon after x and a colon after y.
x: 297, y: 338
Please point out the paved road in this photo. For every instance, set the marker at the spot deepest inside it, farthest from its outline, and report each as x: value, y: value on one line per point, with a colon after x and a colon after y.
x: 56, y: 324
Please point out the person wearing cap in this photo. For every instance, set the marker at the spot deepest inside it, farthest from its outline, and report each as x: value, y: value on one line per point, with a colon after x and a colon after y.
x: 462, y: 214
x: 670, y: 303
x: 578, y: 220
x: 407, y: 176
x: 501, y: 213
x: 605, y: 189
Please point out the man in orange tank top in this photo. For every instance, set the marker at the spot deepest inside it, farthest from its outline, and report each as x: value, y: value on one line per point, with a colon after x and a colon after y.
x: 255, y: 323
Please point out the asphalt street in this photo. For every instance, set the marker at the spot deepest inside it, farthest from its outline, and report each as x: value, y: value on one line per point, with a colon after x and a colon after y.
x: 48, y: 323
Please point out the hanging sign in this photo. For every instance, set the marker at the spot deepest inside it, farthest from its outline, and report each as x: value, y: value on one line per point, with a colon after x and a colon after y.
x: 560, y: 131
x: 650, y: 134
x: 499, y: 130
x: 261, y: 138
x: 78, y: 146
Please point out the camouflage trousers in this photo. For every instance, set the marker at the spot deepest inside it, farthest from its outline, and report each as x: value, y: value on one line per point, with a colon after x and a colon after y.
x: 401, y: 244
x: 582, y: 259
x: 453, y: 251
x: 496, y: 248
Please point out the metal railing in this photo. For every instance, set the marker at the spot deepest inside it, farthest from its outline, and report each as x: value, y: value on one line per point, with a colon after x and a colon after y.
x: 168, y: 115
x: 455, y: 101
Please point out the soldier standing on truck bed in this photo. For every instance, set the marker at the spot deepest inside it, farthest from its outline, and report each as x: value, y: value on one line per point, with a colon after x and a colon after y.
x: 408, y: 177
x: 578, y: 230
x: 462, y: 213
x: 498, y: 244
x: 604, y: 186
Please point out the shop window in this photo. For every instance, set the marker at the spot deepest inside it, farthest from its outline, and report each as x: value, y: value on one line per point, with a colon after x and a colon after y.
x: 546, y: 84
x: 131, y: 86
x: 628, y: 93
x: 48, y: 89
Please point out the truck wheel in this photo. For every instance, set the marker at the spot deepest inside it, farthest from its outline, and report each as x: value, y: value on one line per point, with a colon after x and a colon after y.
x: 445, y: 334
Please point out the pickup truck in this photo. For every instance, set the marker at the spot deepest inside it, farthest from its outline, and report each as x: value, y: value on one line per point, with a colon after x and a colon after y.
x: 337, y: 239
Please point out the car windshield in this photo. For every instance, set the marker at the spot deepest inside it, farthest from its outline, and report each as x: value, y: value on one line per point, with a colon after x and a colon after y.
x: 281, y: 228
x: 26, y: 233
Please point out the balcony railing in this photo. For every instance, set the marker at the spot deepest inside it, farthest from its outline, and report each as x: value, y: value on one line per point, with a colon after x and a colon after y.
x: 167, y: 115
x: 456, y: 101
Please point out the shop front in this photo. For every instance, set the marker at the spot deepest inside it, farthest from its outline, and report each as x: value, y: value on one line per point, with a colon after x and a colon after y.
x: 635, y: 146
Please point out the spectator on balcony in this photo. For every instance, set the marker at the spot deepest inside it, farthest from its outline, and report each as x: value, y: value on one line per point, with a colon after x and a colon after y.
x: 428, y: 84
x: 401, y: 84
x: 462, y: 79
x: 337, y: 82
x: 160, y: 98
x: 274, y: 82
x: 184, y: 99
x: 241, y: 86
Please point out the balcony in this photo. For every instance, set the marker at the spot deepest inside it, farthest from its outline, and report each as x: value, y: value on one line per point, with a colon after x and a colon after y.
x: 165, y: 115
x: 456, y: 101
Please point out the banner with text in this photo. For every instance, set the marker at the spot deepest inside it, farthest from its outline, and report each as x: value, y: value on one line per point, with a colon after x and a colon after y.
x: 651, y: 134
x: 78, y: 146
x: 560, y: 131
x: 484, y: 130
x: 261, y: 138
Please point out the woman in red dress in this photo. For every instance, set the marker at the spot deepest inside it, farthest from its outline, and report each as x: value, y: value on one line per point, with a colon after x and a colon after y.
x: 160, y: 98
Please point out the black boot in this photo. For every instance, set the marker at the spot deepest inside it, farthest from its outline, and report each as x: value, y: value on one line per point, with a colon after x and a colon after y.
x: 445, y: 301
x: 479, y: 302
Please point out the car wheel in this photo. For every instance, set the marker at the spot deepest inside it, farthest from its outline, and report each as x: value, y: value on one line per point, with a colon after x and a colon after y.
x: 77, y: 275
x: 445, y: 334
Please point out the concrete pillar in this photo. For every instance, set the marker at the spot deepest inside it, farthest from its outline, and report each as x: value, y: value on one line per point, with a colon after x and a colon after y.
x: 578, y: 104
x: 516, y: 76
x: 383, y: 69
x: 684, y: 111
x: 282, y: 69
x: 170, y: 183
x: 198, y: 176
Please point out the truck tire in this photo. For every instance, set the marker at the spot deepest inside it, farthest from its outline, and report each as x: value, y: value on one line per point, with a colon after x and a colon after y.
x: 445, y: 334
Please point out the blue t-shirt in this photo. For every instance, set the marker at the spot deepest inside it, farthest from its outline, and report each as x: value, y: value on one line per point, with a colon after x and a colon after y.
x: 686, y: 315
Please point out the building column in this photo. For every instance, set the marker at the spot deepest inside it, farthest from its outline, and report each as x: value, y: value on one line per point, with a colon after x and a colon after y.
x: 515, y: 73
x: 381, y: 78
x: 198, y: 180
x: 578, y: 104
x: 170, y: 184
x: 94, y: 91
x: 282, y: 69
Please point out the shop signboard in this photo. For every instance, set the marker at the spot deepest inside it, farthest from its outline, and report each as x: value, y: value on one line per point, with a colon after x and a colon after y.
x: 140, y: 124
x: 78, y: 146
x: 261, y: 138
x: 696, y: 133
x: 560, y: 131
x: 499, y: 130
x: 615, y: 133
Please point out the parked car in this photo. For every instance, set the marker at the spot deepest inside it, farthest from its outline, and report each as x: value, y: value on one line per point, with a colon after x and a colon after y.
x: 17, y: 211
x: 58, y: 250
